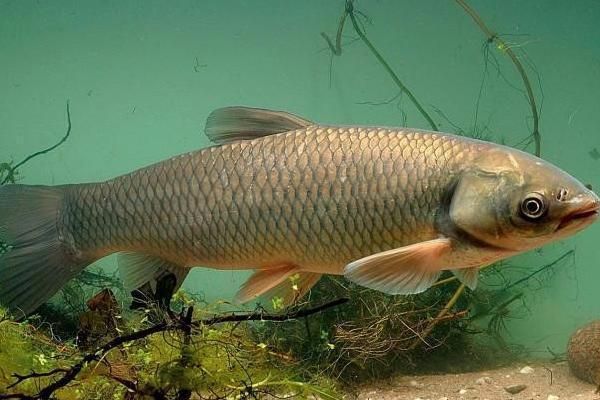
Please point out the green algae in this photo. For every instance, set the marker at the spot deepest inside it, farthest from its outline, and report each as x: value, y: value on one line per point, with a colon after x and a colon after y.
x: 215, y: 362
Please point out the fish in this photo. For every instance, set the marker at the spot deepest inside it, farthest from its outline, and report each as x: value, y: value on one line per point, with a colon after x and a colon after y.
x: 388, y: 208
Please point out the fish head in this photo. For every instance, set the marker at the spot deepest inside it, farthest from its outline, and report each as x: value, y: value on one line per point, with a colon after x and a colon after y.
x: 515, y: 201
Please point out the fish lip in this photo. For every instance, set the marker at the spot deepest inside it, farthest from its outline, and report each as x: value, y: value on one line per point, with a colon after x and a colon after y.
x: 590, y: 214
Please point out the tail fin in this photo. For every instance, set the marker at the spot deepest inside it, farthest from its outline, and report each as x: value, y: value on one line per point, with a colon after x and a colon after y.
x: 36, y: 263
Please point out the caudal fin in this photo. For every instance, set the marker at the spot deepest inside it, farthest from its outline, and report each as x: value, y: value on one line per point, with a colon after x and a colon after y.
x: 36, y: 264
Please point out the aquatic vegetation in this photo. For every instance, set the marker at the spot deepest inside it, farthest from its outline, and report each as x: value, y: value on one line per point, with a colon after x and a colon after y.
x: 9, y: 172
x: 375, y: 335
x: 335, y: 46
x: 336, y: 49
x: 502, y: 46
x: 184, y: 354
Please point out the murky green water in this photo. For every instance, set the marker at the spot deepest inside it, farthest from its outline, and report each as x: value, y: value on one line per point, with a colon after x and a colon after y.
x: 141, y: 77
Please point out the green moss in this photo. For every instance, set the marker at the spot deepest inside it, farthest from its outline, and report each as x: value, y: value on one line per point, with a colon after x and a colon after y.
x: 23, y: 349
x: 219, y: 361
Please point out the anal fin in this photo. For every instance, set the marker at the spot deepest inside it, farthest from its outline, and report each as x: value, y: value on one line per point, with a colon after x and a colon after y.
x: 287, y: 283
x: 292, y: 289
x: 262, y: 281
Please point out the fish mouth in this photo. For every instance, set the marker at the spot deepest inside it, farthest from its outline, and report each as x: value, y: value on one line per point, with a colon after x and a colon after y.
x: 583, y: 216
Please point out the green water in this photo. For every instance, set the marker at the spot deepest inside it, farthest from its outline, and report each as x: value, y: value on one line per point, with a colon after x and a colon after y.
x: 141, y: 77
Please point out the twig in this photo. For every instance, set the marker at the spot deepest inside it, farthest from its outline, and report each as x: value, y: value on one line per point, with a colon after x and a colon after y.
x: 551, y: 375
x: 11, y: 172
x: 186, y: 393
x: 33, y: 374
x: 439, y: 317
x: 492, y: 36
x: 262, y: 316
x: 541, y: 269
x: 183, y: 324
x: 336, y: 49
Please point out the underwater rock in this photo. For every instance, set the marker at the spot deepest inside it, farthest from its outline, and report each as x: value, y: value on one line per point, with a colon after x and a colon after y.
x: 583, y: 352
x: 416, y: 384
x: 514, y: 389
x: 552, y: 397
x: 526, y: 370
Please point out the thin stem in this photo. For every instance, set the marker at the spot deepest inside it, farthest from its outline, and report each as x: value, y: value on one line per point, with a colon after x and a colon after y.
x: 336, y: 49
x: 391, y: 72
x: 439, y: 317
x: 502, y: 46
x: 11, y: 173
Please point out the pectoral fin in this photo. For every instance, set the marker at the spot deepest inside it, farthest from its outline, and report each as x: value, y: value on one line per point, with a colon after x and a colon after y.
x: 406, y: 270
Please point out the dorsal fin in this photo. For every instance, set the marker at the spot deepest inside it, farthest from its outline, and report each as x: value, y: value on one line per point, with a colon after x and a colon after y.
x: 229, y: 124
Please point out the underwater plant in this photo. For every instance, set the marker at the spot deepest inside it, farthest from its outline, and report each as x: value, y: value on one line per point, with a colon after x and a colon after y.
x: 187, y: 353
x: 443, y: 329
x: 9, y: 172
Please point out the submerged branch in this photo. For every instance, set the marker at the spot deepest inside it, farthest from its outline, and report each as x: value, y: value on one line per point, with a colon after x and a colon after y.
x: 336, y: 49
x: 492, y: 36
x: 421, y: 339
x: 11, y: 170
x: 181, y: 323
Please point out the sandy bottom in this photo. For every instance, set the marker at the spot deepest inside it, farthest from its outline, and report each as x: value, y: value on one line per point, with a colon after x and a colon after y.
x: 542, y: 382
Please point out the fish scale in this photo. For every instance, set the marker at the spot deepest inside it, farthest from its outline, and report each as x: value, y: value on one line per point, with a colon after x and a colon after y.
x: 389, y: 208
x: 248, y: 204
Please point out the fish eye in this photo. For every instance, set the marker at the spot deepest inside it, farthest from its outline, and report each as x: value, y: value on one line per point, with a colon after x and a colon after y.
x: 533, y: 206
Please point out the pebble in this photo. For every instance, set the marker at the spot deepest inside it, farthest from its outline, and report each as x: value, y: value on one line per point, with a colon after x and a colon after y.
x: 462, y: 391
x: 514, y: 389
x: 443, y: 398
x: 484, y: 380
x: 526, y: 370
x: 553, y: 397
x: 416, y: 384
